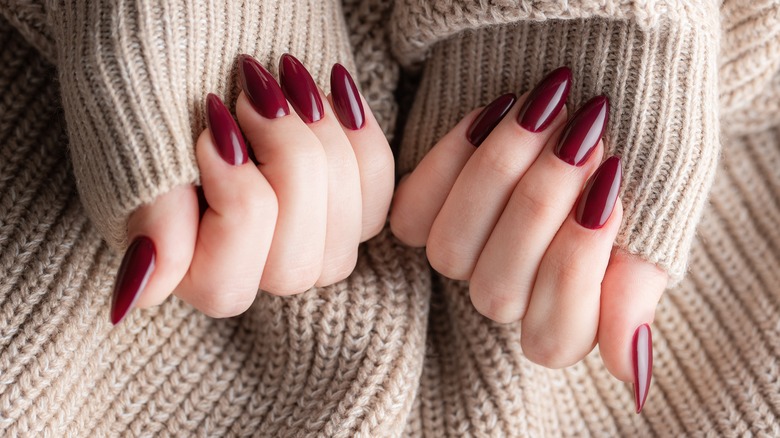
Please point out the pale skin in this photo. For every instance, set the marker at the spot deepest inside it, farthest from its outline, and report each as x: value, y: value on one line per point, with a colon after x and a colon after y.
x: 488, y: 215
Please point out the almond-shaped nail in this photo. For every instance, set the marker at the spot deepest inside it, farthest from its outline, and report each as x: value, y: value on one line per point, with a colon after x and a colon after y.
x: 642, y: 349
x: 583, y: 131
x: 545, y: 101
x: 224, y: 130
x: 300, y: 89
x: 489, y: 118
x: 134, y: 272
x: 600, y: 195
x: 346, y: 98
x: 262, y: 89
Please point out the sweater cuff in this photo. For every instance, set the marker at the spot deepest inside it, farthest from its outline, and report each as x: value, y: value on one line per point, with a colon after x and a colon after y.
x: 664, y: 121
x: 135, y: 75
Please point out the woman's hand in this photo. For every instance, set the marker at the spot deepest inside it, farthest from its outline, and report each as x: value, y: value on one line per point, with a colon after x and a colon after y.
x: 323, y: 185
x: 515, y: 201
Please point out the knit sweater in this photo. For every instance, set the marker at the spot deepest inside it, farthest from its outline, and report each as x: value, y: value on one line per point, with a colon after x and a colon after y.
x: 101, y: 102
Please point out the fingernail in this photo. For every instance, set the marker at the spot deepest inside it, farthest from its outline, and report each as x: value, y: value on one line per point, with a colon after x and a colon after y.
x: 225, y: 132
x: 599, y: 197
x: 262, y: 89
x: 346, y: 99
x: 643, y: 364
x: 546, y: 100
x: 489, y: 118
x: 300, y: 89
x: 583, y: 131
x: 134, y: 272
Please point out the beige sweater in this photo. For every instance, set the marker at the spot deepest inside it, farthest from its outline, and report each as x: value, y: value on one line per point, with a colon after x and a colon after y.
x: 394, y: 349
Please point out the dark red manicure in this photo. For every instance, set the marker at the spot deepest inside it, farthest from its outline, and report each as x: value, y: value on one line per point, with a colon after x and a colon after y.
x: 546, y: 100
x: 134, y: 272
x: 262, y: 89
x: 300, y: 89
x: 346, y: 99
x: 489, y: 118
x: 583, y: 132
x: 599, y: 197
x: 225, y: 132
x: 642, y: 354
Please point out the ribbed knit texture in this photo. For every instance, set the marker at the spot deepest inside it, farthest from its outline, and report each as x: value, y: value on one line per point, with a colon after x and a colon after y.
x: 393, y: 350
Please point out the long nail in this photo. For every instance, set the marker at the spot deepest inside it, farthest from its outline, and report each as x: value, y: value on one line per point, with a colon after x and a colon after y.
x: 134, y: 272
x: 546, y: 100
x: 583, y: 131
x: 300, y: 89
x: 224, y: 130
x: 346, y: 99
x: 643, y: 364
x: 600, y: 195
x: 489, y: 118
x: 262, y: 89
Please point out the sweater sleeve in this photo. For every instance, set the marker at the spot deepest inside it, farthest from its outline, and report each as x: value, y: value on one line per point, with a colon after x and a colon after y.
x: 134, y: 76
x: 658, y: 65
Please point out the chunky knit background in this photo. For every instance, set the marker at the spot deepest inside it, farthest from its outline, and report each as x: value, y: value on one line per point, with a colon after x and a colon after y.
x: 393, y: 350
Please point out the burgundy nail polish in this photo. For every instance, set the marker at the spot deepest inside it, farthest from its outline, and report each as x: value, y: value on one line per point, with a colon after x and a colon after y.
x: 134, y: 272
x: 225, y: 132
x: 489, y: 118
x: 546, y: 100
x: 262, y: 89
x: 642, y: 354
x: 583, y: 131
x: 599, y: 197
x: 346, y: 99
x: 300, y: 89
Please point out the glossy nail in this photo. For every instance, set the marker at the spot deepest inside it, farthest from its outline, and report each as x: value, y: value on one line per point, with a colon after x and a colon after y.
x: 583, y: 131
x: 134, y: 272
x: 224, y: 130
x: 346, y: 99
x: 489, y: 118
x: 599, y: 197
x: 546, y: 100
x: 262, y: 89
x: 300, y: 89
x: 642, y: 349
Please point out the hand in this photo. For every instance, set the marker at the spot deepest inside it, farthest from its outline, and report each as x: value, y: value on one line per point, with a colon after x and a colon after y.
x: 503, y: 201
x: 323, y: 185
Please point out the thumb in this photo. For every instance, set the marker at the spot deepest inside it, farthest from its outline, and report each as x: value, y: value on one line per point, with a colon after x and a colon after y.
x: 629, y: 296
x: 162, y: 240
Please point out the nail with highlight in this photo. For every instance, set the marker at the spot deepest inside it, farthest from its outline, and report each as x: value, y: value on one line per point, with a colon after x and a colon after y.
x: 300, y: 89
x: 224, y: 130
x: 261, y: 88
x: 583, y: 132
x: 346, y: 98
x: 545, y: 101
x: 600, y: 195
x: 489, y: 118
x: 134, y: 272
x: 642, y: 355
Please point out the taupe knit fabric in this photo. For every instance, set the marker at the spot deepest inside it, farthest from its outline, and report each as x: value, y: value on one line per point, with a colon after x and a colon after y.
x: 393, y: 350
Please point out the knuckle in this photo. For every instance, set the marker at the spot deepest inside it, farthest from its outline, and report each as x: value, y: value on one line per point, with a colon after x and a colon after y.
x: 290, y: 283
x: 547, y: 350
x: 404, y: 228
x: 222, y: 303
x: 537, y: 201
x: 497, y: 162
x: 446, y: 261
x: 500, y: 305
x: 254, y: 203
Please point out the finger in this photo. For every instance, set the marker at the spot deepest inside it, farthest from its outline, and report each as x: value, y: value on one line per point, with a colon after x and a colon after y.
x: 482, y: 189
x: 560, y: 325
x: 374, y: 157
x: 420, y: 196
x: 162, y: 240
x: 294, y: 163
x: 237, y: 228
x: 629, y: 295
x: 505, y: 271
x: 344, y: 211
